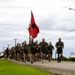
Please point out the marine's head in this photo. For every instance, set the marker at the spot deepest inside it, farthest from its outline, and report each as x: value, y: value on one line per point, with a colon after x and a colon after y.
x: 59, y: 39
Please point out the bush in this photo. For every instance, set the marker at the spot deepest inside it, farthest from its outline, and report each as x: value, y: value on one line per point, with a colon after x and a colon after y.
x: 71, y: 59
x: 64, y: 58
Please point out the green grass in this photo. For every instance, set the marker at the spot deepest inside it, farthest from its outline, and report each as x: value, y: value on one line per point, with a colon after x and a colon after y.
x: 10, y: 68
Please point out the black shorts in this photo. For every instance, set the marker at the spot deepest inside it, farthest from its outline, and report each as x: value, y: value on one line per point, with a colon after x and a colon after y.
x: 59, y: 51
x: 50, y: 53
x: 25, y: 51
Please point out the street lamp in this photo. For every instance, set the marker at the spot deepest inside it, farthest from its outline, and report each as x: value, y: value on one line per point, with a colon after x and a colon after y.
x: 71, y: 9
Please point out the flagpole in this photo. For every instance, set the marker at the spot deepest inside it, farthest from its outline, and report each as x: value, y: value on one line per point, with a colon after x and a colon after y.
x: 32, y: 33
x: 30, y: 37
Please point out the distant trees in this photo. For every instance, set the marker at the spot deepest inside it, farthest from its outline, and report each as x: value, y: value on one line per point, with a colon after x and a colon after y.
x: 66, y: 59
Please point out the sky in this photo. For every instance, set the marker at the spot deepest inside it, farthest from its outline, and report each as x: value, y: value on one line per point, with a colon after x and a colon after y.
x: 53, y: 18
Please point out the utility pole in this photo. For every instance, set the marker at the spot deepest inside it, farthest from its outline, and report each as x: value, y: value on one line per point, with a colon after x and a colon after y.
x: 15, y: 41
x: 8, y: 45
x: 3, y: 48
x: 15, y: 47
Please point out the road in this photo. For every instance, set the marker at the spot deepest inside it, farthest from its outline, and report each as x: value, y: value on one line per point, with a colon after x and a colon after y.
x: 65, y: 67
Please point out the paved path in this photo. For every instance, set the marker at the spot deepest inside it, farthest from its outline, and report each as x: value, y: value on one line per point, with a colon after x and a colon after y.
x: 64, y: 66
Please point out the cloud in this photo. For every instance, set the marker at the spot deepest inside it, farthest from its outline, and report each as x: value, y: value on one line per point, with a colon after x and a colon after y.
x: 52, y: 17
x: 60, y: 20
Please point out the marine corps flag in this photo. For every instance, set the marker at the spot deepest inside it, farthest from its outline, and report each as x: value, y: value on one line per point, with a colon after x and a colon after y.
x: 33, y: 28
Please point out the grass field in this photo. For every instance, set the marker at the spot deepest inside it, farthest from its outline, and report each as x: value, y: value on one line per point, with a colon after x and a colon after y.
x: 10, y: 68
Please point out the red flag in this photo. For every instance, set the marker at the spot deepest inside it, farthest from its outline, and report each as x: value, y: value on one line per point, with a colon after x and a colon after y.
x: 33, y: 28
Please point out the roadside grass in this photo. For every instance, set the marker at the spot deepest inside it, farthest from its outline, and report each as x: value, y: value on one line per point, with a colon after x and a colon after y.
x: 10, y: 68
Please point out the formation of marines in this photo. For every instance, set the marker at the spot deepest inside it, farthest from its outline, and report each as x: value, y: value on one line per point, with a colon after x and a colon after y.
x: 34, y: 51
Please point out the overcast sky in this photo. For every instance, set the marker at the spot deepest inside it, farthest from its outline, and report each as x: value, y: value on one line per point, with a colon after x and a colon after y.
x: 52, y: 17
